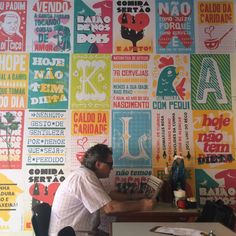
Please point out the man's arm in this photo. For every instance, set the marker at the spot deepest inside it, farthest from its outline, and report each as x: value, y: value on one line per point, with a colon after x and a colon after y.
x: 114, y: 207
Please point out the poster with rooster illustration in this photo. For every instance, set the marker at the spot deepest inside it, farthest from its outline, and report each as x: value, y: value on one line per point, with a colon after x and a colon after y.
x: 215, y: 27
x: 93, y: 26
x: 171, y: 82
x: 175, y: 26
x: 134, y: 26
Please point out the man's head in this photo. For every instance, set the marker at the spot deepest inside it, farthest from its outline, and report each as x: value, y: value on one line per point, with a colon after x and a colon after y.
x: 99, y: 159
x: 9, y: 22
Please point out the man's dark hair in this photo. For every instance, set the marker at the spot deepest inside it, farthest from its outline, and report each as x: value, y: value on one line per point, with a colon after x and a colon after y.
x: 99, y: 152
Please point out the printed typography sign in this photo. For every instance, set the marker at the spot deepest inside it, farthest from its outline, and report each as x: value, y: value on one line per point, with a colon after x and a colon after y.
x: 172, y: 136
x: 134, y: 21
x: 131, y: 83
x: 93, y: 26
x: 11, y: 136
x: 175, y: 26
x: 46, y: 137
x: 48, y: 81
x: 214, y: 139
x: 131, y: 138
x: 211, y: 82
x: 13, y: 25
x: 50, y: 25
x: 216, y: 26
x: 90, y: 81
x: 13, y: 81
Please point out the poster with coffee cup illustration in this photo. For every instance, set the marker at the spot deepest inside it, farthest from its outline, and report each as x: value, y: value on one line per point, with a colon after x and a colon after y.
x: 13, y: 16
x: 215, y: 27
x: 214, y: 139
x: 134, y: 24
x: 50, y: 25
x: 175, y: 26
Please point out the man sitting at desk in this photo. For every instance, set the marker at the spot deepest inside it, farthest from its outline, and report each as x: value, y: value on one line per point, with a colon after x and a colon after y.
x: 80, y: 197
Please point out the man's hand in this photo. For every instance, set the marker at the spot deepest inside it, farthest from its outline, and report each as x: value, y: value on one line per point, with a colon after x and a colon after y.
x: 148, y: 204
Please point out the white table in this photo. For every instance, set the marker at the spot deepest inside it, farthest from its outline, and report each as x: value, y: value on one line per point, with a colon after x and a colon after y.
x: 143, y: 228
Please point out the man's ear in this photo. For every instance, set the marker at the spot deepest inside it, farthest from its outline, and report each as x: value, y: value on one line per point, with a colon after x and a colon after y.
x: 97, y: 164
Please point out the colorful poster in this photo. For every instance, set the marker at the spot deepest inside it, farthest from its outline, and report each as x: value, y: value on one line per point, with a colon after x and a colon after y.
x: 175, y: 26
x: 11, y: 201
x: 131, y: 82
x: 46, y: 138
x: 13, y: 25
x: 11, y: 136
x: 216, y: 28
x: 211, y: 82
x: 131, y: 180
x: 216, y: 184
x: 172, y: 135
x: 132, y: 138
x: 171, y: 82
x: 41, y: 184
x: 90, y: 81
x: 13, y: 81
x: 48, y: 81
x: 93, y: 26
x: 214, y: 139
x: 50, y: 25
x: 133, y: 24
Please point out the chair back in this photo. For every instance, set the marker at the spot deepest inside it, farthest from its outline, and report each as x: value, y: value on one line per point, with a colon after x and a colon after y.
x: 41, y: 218
x: 67, y: 231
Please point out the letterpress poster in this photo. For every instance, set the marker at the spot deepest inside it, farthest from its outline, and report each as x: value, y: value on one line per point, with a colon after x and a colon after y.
x: 93, y: 26
x: 131, y: 82
x: 50, y: 25
x: 90, y: 81
x: 214, y: 139
x: 216, y: 26
x: 134, y: 26
x: 13, y: 16
x: 175, y: 26
x: 48, y: 81
x: 211, y: 82
x: 132, y: 138
x: 13, y: 81
x: 11, y: 136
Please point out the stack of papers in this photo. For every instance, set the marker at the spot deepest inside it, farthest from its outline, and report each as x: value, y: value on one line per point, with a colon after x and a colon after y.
x: 178, y: 231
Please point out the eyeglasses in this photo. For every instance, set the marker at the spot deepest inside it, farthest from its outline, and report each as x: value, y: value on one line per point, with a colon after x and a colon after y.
x: 110, y: 164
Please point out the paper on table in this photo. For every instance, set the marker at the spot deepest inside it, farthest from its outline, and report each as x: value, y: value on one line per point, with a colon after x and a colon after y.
x: 179, y: 231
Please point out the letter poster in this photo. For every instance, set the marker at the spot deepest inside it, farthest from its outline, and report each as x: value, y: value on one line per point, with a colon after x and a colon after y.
x: 13, y: 16
x: 11, y: 201
x: 175, y: 26
x: 131, y: 82
x: 88, y: 128
x: 13, y: 81
x: 214, y: 139
x: 132, y: 138
x: 215, y: 26
x: 93, y: 26
x: 48, y: 81
x: 171, y: 82
x: 216, y: 184
x: 172, y: 135
x: 11, y: 139
x: 133, y: 26
x: 50, y: 25
x: 46, y: 134
x: 90, y: 81
x: 211, y: 82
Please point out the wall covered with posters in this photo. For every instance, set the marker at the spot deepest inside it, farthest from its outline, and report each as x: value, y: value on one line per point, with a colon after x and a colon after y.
x: 150, y: 78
